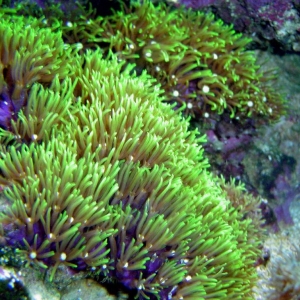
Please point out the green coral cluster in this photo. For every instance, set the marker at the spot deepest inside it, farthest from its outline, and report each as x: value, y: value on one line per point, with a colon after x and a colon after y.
x: 33, y: 56
x: 201, y: 63
x: 101, y: 175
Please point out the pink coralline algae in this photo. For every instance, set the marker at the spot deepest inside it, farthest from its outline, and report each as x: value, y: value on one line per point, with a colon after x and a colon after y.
x: 272, y: 24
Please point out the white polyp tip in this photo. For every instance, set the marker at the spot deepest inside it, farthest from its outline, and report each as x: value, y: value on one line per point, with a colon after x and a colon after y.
x: 189, y: 105
x: 250, y: 103
x: 205, y: 89
x: 63, y: 256
x: 79, y: 46
x: 175, y: 93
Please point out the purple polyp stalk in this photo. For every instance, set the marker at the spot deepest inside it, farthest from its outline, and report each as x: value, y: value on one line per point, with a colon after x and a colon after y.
x: 10, y: 108
x: 6, y: 113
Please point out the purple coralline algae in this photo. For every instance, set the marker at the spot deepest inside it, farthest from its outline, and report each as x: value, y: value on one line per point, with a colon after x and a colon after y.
x: 227, y: 143
x: 196, y: 4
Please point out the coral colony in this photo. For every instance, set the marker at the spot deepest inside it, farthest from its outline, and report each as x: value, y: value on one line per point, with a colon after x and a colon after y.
x: 199, y: 62
x: 102, y: 173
